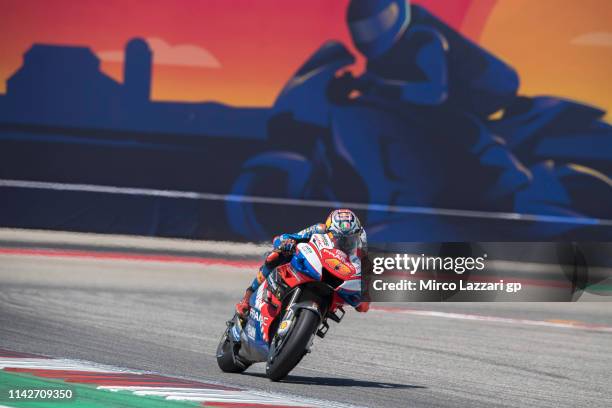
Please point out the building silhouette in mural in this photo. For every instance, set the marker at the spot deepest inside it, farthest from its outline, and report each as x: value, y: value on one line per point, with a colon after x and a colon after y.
x: 63, y: 85
x: 62, y: 119
x: 57, y: 83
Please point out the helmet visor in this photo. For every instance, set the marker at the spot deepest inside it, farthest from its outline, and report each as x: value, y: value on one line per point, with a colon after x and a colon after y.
x: 369, y: 29
x: 347, y: 243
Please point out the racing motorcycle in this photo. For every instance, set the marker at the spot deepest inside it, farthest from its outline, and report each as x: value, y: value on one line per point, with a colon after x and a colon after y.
x: 289, y: 308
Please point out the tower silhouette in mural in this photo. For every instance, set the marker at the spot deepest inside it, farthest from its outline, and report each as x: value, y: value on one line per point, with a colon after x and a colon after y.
x: 137, y: 71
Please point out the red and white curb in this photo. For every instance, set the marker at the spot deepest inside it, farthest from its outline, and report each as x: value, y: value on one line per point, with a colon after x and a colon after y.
x: 143, y: 383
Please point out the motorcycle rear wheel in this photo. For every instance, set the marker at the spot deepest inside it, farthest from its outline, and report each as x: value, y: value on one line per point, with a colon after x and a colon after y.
x: 282, y: 361
x: 226, y: 358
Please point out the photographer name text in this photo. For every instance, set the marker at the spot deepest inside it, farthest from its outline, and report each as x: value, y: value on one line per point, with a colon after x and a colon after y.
x: 434, y: 285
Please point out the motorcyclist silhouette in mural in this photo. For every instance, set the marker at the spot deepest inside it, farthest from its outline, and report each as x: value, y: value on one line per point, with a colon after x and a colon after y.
x: 415, y: 131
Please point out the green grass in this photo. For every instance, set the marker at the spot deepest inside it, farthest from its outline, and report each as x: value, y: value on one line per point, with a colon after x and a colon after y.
x: 84, y: 395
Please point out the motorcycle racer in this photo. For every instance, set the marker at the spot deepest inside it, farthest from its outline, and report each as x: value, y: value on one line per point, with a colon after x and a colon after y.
x: 342, y: 226
x: 446, y: 85
x: 414, y: 57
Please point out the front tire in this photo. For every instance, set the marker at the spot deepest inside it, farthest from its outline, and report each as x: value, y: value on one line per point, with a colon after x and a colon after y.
x: 293, y: 348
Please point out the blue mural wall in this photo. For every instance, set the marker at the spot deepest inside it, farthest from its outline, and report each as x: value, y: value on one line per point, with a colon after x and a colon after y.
x: 411, y: 142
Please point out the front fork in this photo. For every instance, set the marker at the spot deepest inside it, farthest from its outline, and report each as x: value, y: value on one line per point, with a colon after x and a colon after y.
x: 292, y: 307
x: 284, y: 327
x: 288, y: 318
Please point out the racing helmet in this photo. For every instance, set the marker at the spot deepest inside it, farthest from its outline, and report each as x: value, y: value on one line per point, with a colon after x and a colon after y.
x: 375, y: 25
x: 344, y: 229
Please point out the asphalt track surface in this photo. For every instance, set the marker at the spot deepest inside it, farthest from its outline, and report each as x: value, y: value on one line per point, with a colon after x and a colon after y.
x: 167, y: 317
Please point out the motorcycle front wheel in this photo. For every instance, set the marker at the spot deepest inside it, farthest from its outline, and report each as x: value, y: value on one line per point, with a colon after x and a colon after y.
x: 226, y: 358
x: 284, y: 357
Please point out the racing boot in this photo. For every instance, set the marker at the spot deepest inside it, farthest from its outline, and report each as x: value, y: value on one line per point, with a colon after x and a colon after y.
x: 363, y: 307
x: 242, y: 307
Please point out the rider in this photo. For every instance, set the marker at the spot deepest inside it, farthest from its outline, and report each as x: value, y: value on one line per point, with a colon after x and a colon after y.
x: 344, y: 229
x: 446, y: 83
x: 414, y: 57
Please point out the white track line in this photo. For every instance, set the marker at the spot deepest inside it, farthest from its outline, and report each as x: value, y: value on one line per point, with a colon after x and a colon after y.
x: 199, y: 394
x: 192, y: 195
x: 496, y: 319
x: 59, y: 364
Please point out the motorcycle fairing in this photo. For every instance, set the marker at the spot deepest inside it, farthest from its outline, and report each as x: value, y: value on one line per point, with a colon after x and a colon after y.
x: 307, y: 261
x: 350, y: 291
x: 291, y: 276
x: 337, y: 263
x: 253, y: 334
x: 319, y: 253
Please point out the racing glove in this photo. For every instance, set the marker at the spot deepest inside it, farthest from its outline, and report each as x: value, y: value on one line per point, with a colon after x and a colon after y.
x: 287, y: 246
x: 242, y: 307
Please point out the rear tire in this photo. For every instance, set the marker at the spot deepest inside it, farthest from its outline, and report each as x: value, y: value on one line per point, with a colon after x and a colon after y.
x: 294, y: 348
x: 225, y: 356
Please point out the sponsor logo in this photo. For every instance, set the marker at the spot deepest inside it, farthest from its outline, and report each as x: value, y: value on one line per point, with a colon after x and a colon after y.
x: 338, y: 262
x: 272, y: 282
x: 254, y: 314
x: 250, y: 331
x: 306, y: 249
x: 257, y: 316
x: 328, y: 242
x: 334, y: 254
x: 284, y: 326
x: 321, y: 241
x: 260, y: 294
x: 338, y: 267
